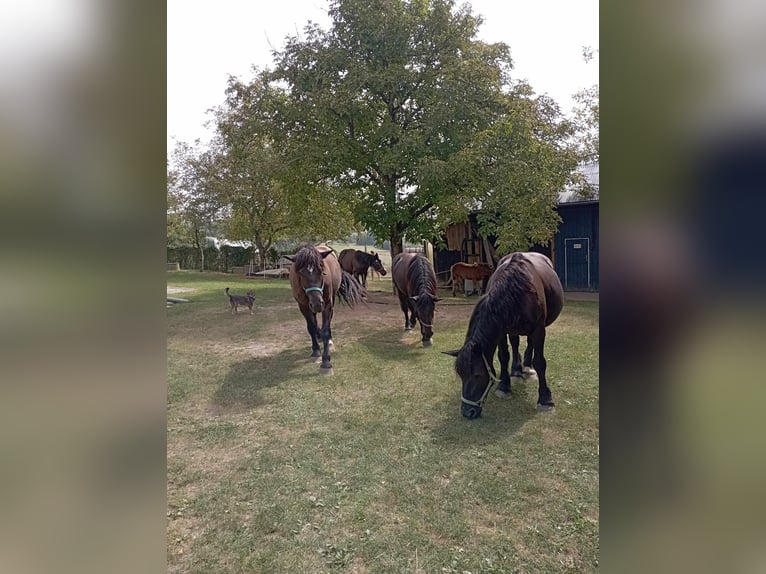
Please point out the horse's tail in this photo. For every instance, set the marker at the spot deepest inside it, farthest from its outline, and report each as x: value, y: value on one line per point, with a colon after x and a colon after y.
x: 351, y: 291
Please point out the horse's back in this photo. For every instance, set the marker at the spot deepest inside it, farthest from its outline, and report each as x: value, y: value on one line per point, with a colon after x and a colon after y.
x: 543, y: 277
x: 346, y: 260
x: 400, y: 271
x: 399, y: 267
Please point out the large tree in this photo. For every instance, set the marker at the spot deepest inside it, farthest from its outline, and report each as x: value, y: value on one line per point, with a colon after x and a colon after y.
x: 384, y: 103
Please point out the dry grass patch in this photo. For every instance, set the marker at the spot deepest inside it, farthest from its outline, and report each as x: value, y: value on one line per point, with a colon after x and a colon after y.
x: 275, y: 468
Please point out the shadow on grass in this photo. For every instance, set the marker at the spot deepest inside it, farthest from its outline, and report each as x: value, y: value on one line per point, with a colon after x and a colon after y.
x: 245, y: 381
x: 499, y: 418
x: 387, y: 343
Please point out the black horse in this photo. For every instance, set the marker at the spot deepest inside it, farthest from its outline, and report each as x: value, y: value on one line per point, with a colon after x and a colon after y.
x: 415, y: 284
x: 316, y: 278
x: 523, y: 297
x: 358, y: 262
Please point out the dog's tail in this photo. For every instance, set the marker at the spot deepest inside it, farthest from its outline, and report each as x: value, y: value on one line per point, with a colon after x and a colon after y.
x: 351, y: 291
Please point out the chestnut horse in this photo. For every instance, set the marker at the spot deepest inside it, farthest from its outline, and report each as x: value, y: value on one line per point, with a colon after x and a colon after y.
x: 415, y: 283
x: 476, y: 272
x: 358, y: 262
x: 523, y: 297
x: 316, y: 278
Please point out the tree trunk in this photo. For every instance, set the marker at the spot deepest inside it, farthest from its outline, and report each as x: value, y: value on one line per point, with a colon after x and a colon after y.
x: 201, y: 247
x: 396, y: 237
x: 262, y: 249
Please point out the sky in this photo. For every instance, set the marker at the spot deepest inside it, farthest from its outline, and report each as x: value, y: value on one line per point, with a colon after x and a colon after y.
x: 209, y: 41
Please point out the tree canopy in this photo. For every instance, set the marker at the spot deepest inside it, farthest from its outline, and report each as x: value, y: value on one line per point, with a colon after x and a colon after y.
x: 397, y: 120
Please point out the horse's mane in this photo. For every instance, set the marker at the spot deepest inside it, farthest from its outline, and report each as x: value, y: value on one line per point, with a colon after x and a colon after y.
x: 496, y: 311
x: 308, y: 256
x: 420, y: 277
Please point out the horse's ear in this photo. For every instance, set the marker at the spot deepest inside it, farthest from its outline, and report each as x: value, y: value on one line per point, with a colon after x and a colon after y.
x: 452, y: 353
x: 324, y: 254
x: 415, y: 297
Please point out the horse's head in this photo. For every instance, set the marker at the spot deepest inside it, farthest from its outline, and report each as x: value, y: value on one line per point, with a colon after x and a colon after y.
x: 425, y: 305
x: 377, y: 264
x: 477, y: 375
x: 311, y: 275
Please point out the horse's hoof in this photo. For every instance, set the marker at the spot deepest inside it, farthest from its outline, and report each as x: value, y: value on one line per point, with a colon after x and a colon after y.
x: 325, y: 371
x: 428, y: 343
x: 330, y: 344
x: 516, y: 380
x: 408, y: 328
x: 502, y: 394
x: 528, y: 371
x: 316, y: 359
x: 545, y: 408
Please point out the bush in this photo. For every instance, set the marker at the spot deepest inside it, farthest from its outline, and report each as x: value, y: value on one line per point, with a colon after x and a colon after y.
x: 215, y: 260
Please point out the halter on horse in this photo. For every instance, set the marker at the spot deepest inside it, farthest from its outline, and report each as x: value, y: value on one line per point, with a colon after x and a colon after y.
x: 316, y: 278
x: 523, y: 297
x: 415, y: 284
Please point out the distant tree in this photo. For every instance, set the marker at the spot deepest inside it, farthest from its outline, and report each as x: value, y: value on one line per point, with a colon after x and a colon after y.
x: 587, y: 115
x: 524, y: 162
x: 193, y: 204
x: 265, y: 199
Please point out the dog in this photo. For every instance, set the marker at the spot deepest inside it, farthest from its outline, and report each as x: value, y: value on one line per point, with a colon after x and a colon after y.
x: 237, y: 300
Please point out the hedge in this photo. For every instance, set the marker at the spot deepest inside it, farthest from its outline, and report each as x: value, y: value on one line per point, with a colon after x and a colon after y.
x: 215, y: 259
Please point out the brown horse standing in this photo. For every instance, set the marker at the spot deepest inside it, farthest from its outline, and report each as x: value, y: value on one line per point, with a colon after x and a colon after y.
x: 315, y: 278
x: 476, y: 272
x: 523, y: 297
x: 415, y: 284
x: 358, y: 262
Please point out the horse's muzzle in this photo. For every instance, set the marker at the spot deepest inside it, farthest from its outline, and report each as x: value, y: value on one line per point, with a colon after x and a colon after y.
x: 470, y: 411
x: 316, y: 306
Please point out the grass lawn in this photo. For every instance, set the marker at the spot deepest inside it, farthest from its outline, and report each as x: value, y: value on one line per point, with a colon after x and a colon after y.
x: 275, y: 468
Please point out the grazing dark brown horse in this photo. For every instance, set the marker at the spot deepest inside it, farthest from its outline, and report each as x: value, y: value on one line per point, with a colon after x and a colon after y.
x: 415, y: 284
x: 523, y: 297
x: 358, y: 262
x: 476, y: 272
x: 316, y: 278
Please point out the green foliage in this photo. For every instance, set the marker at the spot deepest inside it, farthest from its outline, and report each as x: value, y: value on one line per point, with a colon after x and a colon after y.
x: 401, y: 107
x: 193, y: 202
x: 524, y: 166
x: 265, y: 201
x: 385, y: 98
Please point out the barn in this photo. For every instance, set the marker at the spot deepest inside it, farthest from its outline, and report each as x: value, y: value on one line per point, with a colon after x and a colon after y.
x: 574, y: 248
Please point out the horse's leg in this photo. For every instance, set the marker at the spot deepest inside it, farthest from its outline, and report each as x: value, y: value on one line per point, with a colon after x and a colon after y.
x: 516, y: 365
x: 326, y: 367
x: 528, y: 356
x: 413, y: 312
x: 405, y: 306
x: 454, y: 285
x: 504, y: 386
x: 329, y: 327
x: 545, y: 399
x: 311, y: 325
